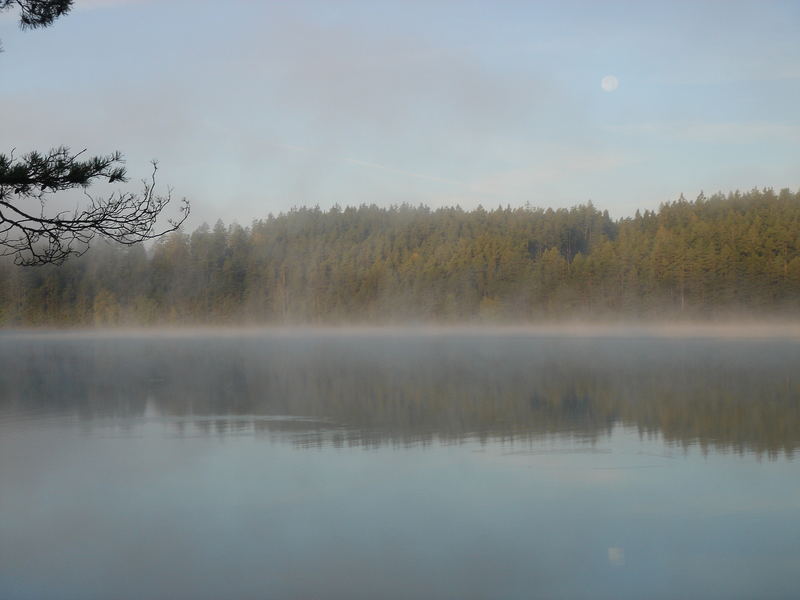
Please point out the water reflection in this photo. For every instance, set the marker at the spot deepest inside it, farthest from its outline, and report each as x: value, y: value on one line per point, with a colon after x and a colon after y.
x: 346, y: 391
x: 199, y: 468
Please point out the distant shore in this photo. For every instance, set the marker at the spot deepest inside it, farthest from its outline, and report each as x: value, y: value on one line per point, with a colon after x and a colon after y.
x: 566, y: 329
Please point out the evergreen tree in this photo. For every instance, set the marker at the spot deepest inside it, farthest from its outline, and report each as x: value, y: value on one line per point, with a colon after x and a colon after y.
x: 713, y: 256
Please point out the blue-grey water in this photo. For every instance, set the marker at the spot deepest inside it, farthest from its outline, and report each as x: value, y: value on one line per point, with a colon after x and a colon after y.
x: 461, y: 465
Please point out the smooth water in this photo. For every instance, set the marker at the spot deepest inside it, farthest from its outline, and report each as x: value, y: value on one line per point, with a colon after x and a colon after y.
x: 461, y: 465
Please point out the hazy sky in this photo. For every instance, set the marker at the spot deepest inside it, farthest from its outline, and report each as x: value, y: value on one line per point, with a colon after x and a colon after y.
x: 253, y: 107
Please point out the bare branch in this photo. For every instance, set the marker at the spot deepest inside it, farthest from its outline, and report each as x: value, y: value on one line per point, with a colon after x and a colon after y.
x: 37, y: 13
x: 36, y: 238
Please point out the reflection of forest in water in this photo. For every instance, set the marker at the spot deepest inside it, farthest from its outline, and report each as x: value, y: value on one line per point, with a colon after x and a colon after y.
x: 364, y: 390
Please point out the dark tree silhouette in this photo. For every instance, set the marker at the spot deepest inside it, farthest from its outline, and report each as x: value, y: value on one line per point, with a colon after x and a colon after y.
x: 37, y: 13
x: 35, y: 235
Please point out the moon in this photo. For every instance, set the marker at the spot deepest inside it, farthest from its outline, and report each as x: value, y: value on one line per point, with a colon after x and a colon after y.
x: 609, y: 83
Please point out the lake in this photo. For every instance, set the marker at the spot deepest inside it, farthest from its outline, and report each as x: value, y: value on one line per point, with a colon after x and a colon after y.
x: 456, y: 464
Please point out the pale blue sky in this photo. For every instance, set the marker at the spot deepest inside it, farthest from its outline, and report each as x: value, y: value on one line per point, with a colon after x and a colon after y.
x: 254, y: 107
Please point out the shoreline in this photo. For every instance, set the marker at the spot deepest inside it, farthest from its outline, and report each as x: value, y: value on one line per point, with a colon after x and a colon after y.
x: 573, y: 329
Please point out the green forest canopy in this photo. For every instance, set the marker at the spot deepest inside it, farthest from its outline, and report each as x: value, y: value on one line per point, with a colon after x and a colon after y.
x: 722, y: 255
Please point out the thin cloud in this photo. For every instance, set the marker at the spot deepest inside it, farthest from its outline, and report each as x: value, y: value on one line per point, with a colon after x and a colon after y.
x: 371, y: 165
x: 728, y: 132
x: 424, y: 177
x: 94, y: 4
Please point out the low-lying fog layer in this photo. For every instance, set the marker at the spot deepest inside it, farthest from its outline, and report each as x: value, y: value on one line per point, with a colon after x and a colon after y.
x: 408, y: 463
x: 725, y: 387
x: 741, y: 328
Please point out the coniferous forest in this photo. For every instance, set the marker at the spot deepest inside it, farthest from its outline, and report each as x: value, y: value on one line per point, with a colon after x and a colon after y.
x: 714, y: 257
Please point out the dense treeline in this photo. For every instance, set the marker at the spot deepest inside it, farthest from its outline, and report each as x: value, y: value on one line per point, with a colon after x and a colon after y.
x: 711, y: 256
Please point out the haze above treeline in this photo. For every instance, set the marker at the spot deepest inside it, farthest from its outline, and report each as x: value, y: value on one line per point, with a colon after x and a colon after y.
x: 734, y: 254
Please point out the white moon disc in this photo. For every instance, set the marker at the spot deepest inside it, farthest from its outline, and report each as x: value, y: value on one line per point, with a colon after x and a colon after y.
x: 609, y: 83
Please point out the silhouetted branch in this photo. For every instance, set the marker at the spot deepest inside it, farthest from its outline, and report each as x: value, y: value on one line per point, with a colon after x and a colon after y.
x: 37, y: 13
x: 35, y: 237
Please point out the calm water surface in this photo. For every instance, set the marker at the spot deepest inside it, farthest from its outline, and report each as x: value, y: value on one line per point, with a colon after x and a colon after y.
x: 344, y: 466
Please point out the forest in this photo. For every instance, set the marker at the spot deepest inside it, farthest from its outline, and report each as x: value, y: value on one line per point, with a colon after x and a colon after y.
x: 720, y: 256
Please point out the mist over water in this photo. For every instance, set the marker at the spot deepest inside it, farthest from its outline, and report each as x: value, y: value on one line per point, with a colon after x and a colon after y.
x: 359, y: 464
x: 361, y: 387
